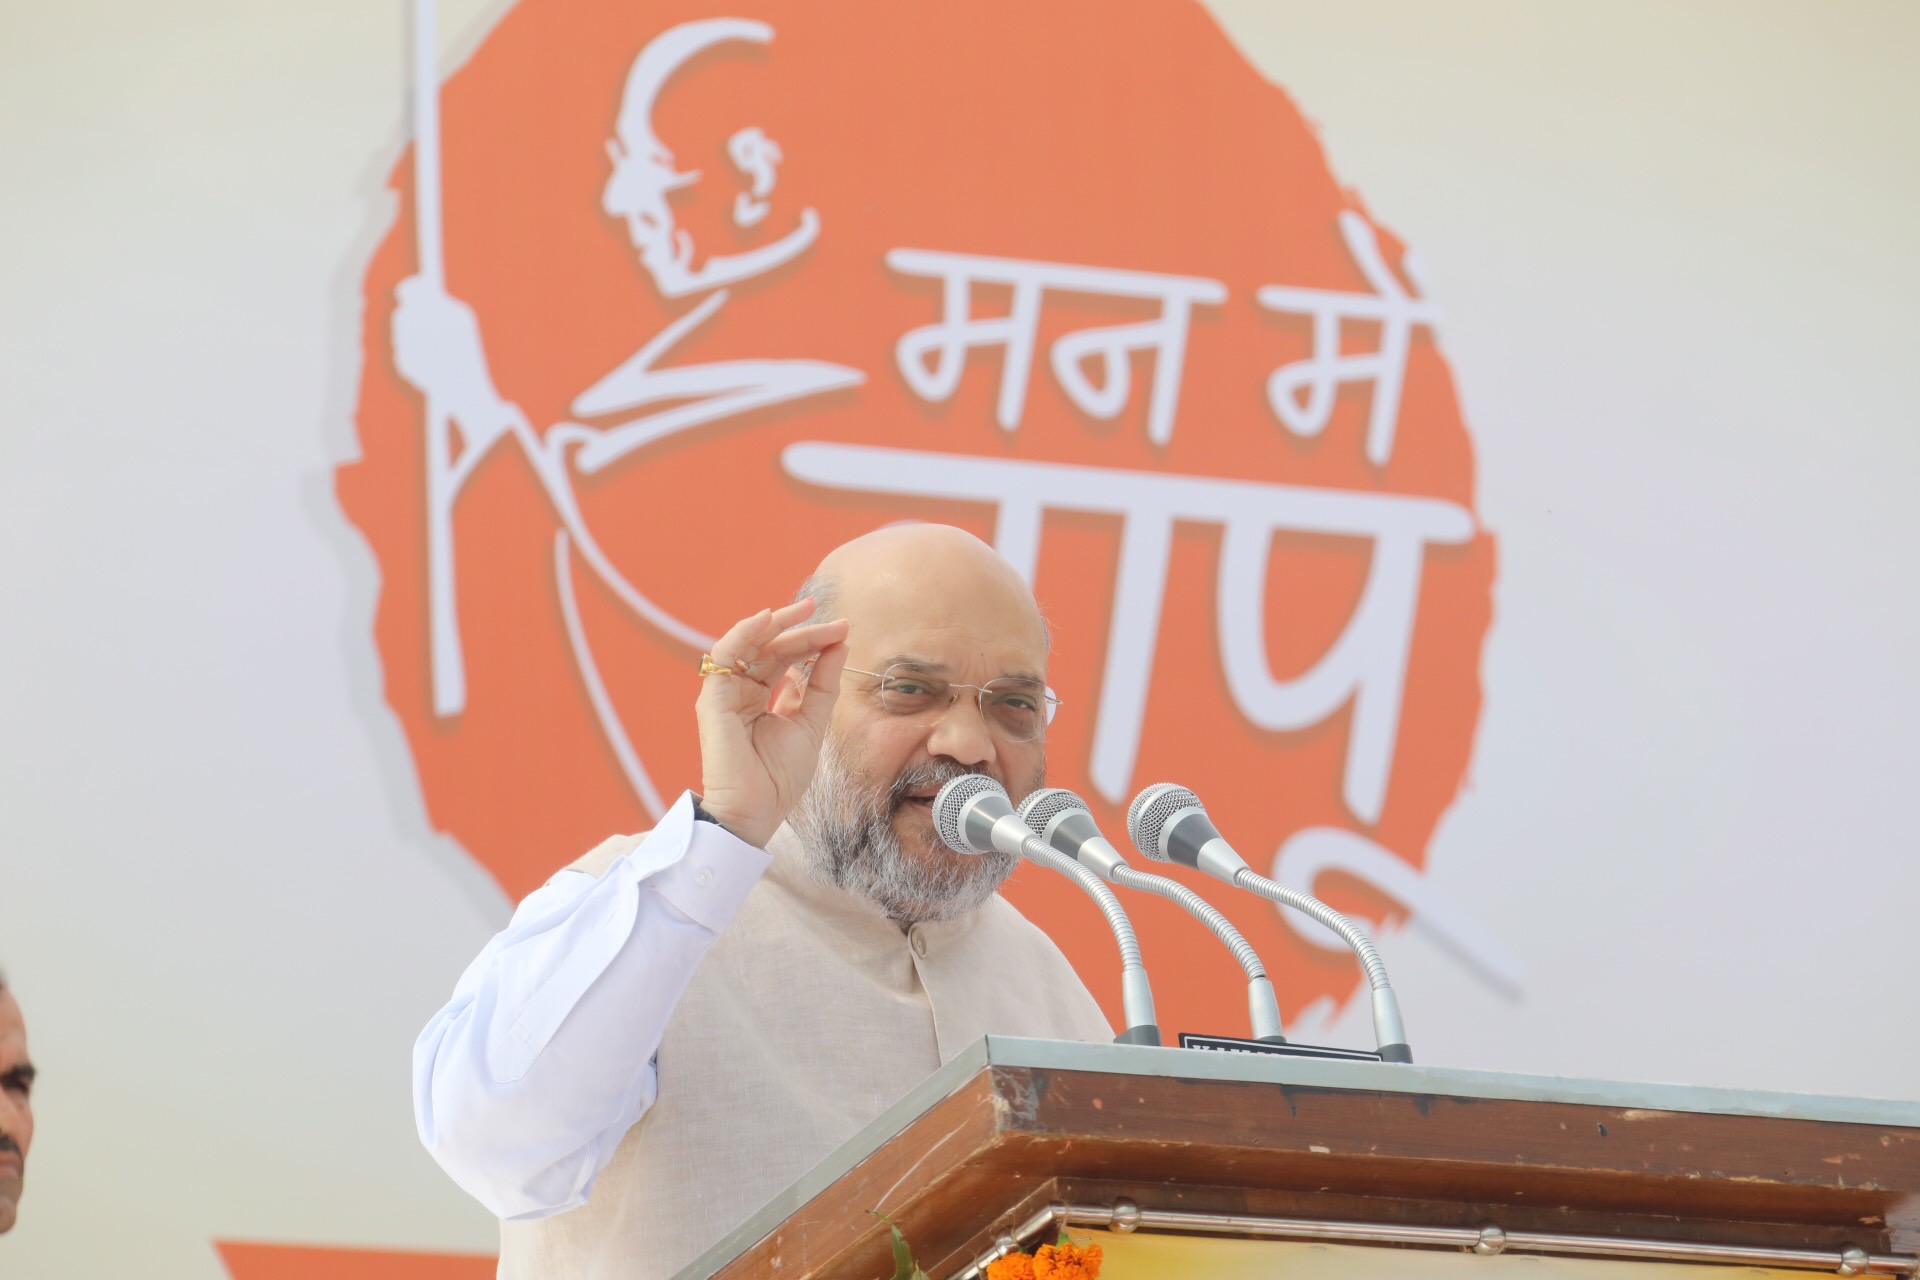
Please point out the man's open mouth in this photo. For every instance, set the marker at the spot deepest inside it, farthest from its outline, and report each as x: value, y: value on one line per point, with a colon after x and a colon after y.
x: 921, y: 796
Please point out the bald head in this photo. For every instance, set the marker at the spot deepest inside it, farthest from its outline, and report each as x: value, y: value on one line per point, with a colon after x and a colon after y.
x: 926, y: 571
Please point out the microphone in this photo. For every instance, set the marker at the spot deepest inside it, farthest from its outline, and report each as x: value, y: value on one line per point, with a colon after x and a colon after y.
x: 972, y: 814
x: 1063, y: 820
x: 1169, y: 824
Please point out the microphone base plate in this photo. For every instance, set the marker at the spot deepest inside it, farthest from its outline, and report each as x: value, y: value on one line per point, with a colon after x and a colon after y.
x: 1234, y: 1044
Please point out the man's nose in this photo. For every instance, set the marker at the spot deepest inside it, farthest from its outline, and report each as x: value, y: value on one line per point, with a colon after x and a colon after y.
x: 12, y: 1123
x: 961, y: 733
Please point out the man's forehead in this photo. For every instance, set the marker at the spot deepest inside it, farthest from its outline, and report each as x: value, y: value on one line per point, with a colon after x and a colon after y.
x: 939, y: 595
x: 947, y: 637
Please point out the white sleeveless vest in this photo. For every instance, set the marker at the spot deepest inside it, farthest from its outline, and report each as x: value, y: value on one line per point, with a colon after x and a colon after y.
x: 810, y: 1016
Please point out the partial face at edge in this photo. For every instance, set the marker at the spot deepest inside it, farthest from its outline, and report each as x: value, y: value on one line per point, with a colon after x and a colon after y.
x: 16, y: 1110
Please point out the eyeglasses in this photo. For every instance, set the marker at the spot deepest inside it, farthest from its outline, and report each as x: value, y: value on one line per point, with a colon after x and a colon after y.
x: 1016, y: 708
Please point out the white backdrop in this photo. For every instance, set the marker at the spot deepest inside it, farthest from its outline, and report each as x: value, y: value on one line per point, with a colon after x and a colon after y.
x: 1674, y: 244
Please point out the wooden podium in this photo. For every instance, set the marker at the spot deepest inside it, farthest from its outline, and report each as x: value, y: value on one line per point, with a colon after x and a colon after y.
x: 1016, y: 1138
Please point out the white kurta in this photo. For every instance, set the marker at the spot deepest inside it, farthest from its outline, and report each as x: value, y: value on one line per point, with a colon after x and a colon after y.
x: 807, y: 1017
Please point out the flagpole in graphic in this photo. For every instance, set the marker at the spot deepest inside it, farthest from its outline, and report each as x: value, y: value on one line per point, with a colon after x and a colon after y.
x: 426, y: 144
x: 444, y: 655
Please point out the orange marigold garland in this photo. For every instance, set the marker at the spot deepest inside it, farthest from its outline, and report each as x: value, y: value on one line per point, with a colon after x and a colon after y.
x: 1061, y: 1260
x: 1015, y: 1266
x: 1067, y: 1261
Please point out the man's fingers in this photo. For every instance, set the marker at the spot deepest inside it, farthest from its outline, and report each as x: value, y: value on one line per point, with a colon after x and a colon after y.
x: 746, y: 638
x: 768, y: 672
x: 769, y: 644
x: 791, y: 648
x: 734, y: 695
x: 743, y: 638
x: 787, y: 615
x: 766, y: 652
x: 823, y: 688
x: 800, y: 641
x: 731, y: 693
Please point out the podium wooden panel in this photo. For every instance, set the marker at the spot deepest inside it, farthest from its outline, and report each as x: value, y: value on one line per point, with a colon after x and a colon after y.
x: 1011, y: 1126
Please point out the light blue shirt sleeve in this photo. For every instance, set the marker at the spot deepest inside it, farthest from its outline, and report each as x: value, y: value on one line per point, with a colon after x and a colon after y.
x: 526, y: 1081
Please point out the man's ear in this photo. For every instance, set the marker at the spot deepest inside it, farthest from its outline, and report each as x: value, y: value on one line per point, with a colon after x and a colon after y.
x: 790, y: 692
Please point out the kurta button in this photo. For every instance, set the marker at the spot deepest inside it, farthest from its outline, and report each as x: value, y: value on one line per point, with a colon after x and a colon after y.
x: 703, y: 877
x: 919, y: 941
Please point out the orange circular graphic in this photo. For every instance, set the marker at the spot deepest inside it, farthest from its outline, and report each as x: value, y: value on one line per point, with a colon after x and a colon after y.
x: 681, y: 295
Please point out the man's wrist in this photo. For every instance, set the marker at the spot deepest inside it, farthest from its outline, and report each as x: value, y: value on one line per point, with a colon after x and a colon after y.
x: 733, y: 826
x: 700, y: 814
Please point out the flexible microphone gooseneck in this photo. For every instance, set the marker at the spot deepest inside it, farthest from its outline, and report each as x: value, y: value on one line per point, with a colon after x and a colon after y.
x: 1063, y: 820
x: 1169, y: 824
x: 972, y: 814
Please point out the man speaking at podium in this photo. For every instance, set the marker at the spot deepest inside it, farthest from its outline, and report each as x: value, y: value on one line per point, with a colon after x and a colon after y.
x: 675, y: 1027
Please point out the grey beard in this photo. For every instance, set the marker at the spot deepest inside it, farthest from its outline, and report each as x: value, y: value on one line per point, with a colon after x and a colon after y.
x: 848, y: 834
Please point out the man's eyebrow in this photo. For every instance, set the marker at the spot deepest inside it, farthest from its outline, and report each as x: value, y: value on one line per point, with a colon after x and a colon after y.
x: 940, y: 669
x: 20, y: 1076
x: 916, y: 664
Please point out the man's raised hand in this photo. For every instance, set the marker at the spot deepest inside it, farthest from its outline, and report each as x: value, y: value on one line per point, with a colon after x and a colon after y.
x: 760, y: 733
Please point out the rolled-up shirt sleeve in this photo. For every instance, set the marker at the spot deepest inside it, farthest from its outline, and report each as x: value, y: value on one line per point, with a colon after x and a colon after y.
x: 526, y: 1081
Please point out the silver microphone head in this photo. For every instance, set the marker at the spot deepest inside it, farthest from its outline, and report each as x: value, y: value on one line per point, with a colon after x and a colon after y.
x: 1064, y: 821
x: 950, y: 810
x: 1046, y: 804
x: 1151, y: 810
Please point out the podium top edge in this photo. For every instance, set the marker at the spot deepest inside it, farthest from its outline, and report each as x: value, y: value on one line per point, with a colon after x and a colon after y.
x: 1412, y: 1079
x: 1416, y: 1078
